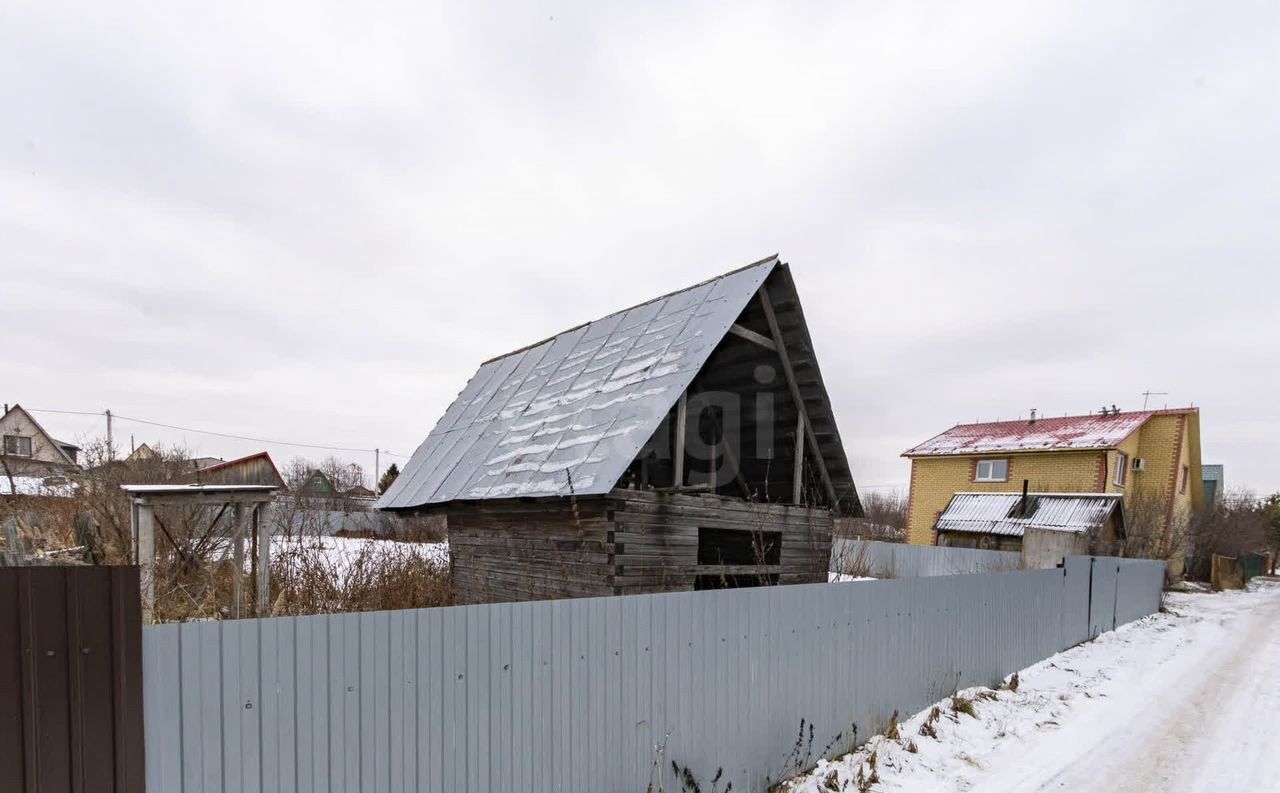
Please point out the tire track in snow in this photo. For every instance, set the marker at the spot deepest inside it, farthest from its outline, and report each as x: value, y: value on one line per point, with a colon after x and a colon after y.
x: 1213, y: 727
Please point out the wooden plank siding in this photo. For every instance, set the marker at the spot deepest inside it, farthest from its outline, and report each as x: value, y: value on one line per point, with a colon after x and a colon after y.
x: 626, y: 542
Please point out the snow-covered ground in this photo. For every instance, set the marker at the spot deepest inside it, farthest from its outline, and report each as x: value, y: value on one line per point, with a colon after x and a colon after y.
x: 341, y: 552
x: 840, y: 578
x: 1181, y: 701
x: 54, y: 486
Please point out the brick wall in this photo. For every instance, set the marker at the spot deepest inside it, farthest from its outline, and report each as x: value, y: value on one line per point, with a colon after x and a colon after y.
x: 935, y: 479
x: 1162, y: 442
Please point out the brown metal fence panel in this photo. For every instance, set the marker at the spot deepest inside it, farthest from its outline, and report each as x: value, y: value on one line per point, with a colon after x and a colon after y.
x: 70, y: 680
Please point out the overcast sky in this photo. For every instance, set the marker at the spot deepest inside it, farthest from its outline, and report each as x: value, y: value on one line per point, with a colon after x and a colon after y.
x: 312, y: 221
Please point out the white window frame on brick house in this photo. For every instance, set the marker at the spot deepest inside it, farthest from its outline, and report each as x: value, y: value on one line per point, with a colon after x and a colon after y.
x: 1122, y: 470
x: 990, y: 475
x: 12, y: 444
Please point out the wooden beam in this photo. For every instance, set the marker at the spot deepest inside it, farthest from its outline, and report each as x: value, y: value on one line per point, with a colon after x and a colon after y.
x: 681, y: 428
x: 733, y: 569
x: 701, y: 487
x: 145, y: 529
x: 731, y: 457
x: 751, y: 336
x: 205, y: 499
x: 263, y: 531
x: 798, y: 473
x: 795, y: 394
x: 237, y: 575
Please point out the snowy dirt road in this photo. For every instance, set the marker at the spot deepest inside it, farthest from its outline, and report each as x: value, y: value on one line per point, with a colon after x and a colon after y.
x: 1184, y: 701
x: 1207, y: 718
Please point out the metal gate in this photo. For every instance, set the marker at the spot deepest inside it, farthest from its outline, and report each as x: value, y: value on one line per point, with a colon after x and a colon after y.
x: 70, y: 680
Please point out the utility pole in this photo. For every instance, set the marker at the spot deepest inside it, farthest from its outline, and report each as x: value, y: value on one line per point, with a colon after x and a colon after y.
x: 111, y: 447
x: 377, y: 462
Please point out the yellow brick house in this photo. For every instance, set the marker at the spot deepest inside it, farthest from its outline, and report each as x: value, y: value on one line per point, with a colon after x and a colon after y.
x: 1151, y: 458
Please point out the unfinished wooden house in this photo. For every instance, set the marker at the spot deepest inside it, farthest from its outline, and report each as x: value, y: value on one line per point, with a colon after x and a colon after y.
x: 685, y: 443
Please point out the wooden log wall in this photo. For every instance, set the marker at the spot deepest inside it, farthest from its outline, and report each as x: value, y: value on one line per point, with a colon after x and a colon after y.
x: 513, y: 550
x: 628, y: 542
x: 656, y: 538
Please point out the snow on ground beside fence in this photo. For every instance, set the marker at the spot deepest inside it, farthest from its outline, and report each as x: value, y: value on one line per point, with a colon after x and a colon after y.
x: 840, y: 578
x: 1178, y: 701
x: 341, y: 552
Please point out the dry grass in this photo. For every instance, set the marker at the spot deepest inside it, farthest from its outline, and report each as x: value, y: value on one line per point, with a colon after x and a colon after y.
x: 963, y: 704
x: 929, y: 728
x: 892, y: 732
x: 372, y: 577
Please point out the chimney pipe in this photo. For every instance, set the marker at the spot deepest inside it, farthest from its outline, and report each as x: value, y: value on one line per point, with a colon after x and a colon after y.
x: 1022, y: 505
x: 1033, y: 416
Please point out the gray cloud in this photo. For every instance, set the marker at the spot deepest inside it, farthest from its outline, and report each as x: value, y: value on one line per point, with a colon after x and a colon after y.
x: 312, y: 222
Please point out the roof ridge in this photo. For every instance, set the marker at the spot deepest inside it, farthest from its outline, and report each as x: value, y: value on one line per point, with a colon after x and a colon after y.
x: 1038, y: 419
x: 772, y: 258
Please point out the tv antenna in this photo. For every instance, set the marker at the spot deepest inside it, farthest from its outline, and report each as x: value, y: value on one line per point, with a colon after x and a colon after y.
x: 1146, y: 395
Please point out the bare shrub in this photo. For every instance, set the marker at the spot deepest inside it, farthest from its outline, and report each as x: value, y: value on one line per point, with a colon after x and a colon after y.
x: 1152, y: 531
x: 852, y: 557
x: 884, y: 519
x: 1235, y: 524
x: 309, y: 577
x: 887, y: 509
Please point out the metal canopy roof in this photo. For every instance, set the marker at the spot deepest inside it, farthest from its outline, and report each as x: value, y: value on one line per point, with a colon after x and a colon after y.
x: 569, y: 414
x: 168, y: 490
x: 993, y: 513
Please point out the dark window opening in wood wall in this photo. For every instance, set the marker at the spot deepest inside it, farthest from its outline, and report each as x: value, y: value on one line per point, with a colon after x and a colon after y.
x: 739, y: 546
x: 719, y: 549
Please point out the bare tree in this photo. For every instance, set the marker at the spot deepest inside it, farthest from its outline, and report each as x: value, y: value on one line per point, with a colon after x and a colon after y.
x: 1234, y: 524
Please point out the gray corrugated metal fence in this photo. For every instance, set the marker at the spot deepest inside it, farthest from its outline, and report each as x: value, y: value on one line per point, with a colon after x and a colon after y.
x: 573, y: 695
x: 898, y: 560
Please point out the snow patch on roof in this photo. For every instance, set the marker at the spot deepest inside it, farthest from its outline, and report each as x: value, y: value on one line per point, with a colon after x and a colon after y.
x: 997, y: 513
x: 1067, y: 432
x: 601, y: 388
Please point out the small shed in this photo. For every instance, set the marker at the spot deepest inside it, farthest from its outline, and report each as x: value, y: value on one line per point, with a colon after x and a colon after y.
x: 688, y: 442
x: 1001, y: 521
x: 255, y: 469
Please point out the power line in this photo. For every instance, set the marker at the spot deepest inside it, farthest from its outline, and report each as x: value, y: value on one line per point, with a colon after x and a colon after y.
x: 219, y: 434
x: 67, y: 412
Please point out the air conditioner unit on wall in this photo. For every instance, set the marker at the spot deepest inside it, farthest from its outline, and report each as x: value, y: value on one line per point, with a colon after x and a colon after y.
x: 1139, y: 464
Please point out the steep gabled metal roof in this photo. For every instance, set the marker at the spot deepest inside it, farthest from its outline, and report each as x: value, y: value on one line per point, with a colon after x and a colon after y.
x: 993, y: 513
x: 569, y: 414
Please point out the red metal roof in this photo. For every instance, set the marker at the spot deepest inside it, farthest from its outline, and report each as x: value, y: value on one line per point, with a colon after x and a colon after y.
x: 1098, y: 431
